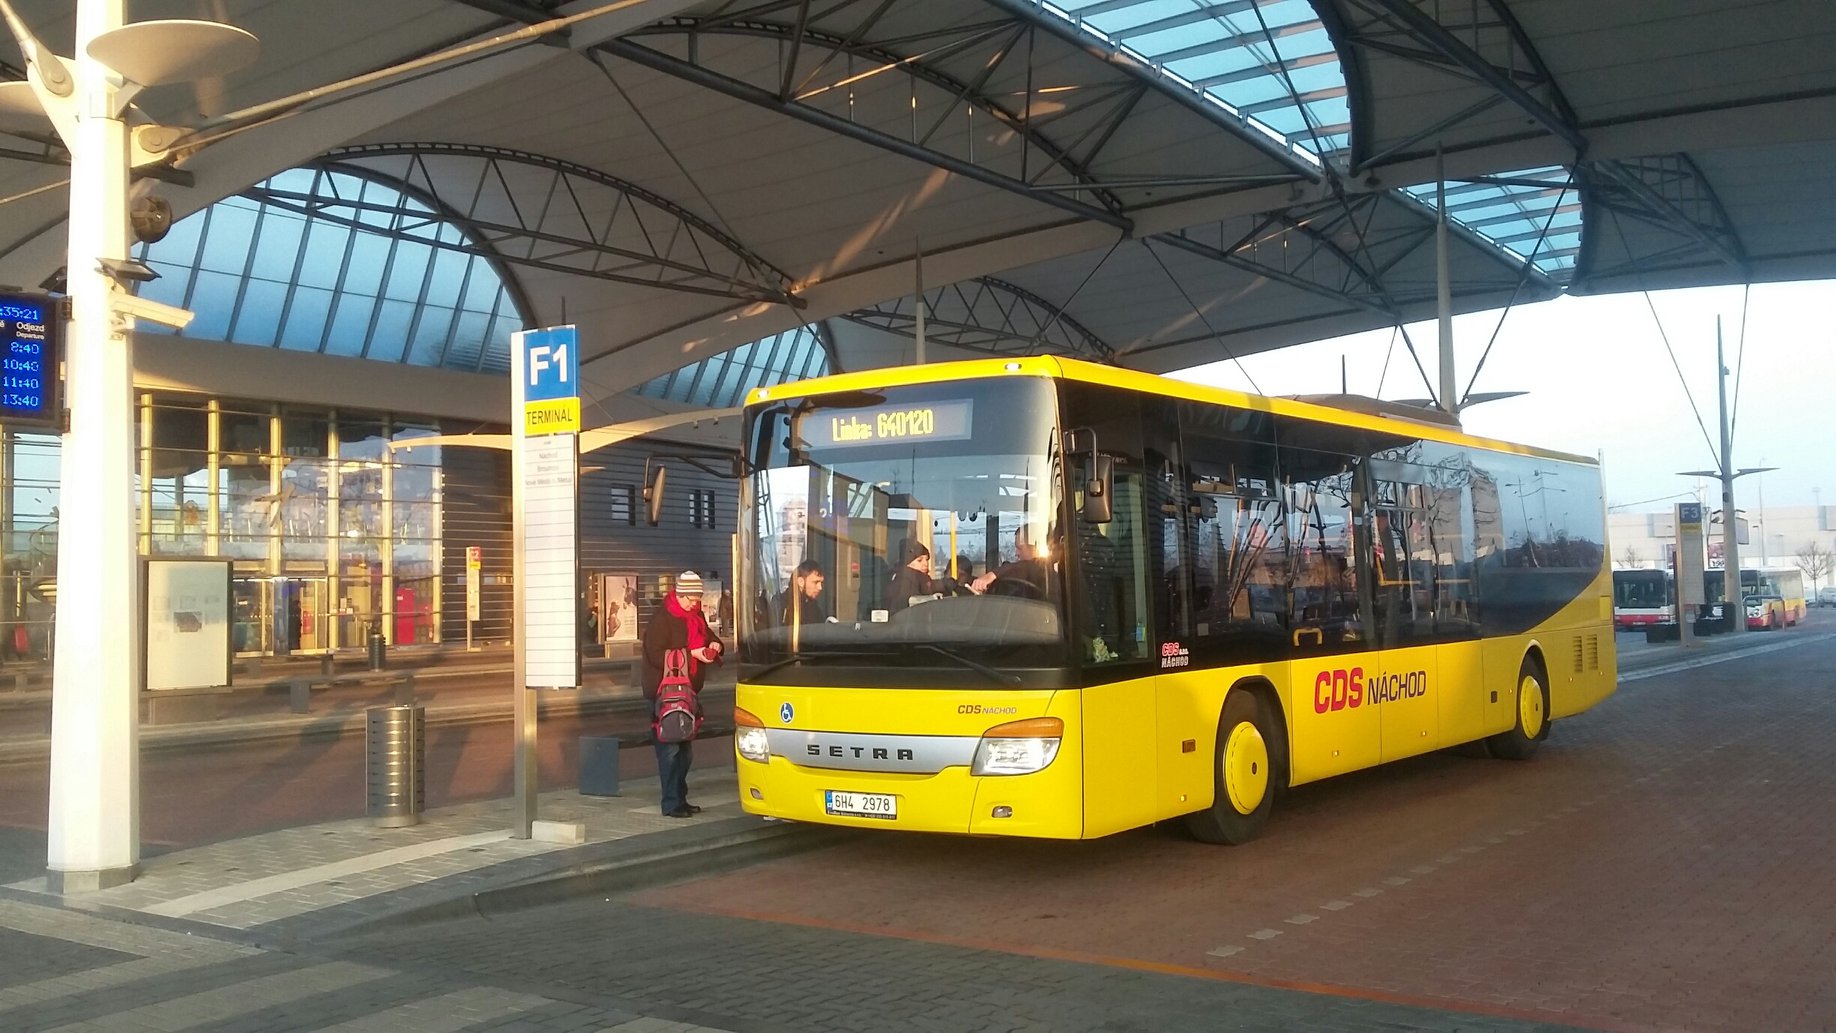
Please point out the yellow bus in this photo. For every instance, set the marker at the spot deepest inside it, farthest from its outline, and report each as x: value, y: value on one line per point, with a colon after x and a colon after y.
x: 1144, y: 600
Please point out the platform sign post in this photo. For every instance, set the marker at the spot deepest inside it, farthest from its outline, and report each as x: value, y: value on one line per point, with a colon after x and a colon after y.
x: 545, y: 473
x: 1690, y: 595
x: 474, y: 567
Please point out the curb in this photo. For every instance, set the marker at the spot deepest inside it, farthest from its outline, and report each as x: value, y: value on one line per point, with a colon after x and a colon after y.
x: 633, y: 863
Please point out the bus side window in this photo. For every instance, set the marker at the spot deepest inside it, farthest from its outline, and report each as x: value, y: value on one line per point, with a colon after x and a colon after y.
x: 1326, y: 611
x: 1111, y: 605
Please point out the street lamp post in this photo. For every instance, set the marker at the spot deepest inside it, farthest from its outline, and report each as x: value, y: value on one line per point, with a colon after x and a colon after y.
x: 93, y: 824
x: 1733, y: 610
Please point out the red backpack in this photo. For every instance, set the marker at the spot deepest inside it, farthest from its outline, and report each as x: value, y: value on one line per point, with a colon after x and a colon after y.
x: 678, y: 710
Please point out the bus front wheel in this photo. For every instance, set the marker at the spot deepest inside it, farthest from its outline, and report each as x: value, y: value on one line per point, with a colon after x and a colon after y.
x: 1531, y: 726
x: 1244, y: 775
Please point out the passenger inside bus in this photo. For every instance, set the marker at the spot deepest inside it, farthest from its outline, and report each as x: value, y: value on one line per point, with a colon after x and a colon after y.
x: 913, y: 582
x: 1028, y: 576
x: 801, y: 603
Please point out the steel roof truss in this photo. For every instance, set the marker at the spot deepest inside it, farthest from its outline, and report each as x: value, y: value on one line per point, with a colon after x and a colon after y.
x: 1399, y: 27
x: 987, y: 314
x: 965, y: 164
x: 678, y: 253
x: 1670, y: 192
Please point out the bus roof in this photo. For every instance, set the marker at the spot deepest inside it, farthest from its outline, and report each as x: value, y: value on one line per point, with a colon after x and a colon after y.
x: 1089, y: 372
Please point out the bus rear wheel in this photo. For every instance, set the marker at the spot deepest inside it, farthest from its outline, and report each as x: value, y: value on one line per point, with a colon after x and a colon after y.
x: 1532, y: 724
x: 1244, y: 776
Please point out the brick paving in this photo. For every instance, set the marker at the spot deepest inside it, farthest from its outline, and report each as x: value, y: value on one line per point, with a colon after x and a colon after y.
x: 1656, y: 868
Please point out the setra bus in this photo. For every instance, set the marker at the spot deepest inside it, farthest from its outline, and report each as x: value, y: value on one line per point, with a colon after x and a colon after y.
x: 1063, y: 600
x: 1643, y: 598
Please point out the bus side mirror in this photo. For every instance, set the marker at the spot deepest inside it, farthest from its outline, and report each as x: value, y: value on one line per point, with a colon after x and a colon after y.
x: 653, y: 492
x: 1097, y: 488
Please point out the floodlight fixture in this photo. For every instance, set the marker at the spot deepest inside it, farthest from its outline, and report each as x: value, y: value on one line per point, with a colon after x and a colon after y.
x: 126, y: 270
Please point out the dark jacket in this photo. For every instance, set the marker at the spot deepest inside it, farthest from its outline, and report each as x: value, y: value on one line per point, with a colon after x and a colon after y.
x: 663, y: 632
x: 811, y: 611
x: 907, y: 582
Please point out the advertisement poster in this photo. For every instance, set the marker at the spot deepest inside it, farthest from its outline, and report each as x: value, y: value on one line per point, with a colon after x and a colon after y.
x: 618, y: 620
x: 187, y: 623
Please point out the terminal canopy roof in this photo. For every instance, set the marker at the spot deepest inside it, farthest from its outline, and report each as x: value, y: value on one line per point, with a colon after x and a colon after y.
x: 1155, y: 183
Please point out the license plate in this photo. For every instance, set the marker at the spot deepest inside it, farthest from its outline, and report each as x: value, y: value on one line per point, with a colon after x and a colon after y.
x: 861, y: 805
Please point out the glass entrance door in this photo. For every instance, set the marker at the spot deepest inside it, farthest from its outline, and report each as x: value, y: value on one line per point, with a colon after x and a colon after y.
x: 283, y: 615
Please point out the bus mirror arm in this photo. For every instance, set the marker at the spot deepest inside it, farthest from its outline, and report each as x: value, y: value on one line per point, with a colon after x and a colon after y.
x: 1099, y: 475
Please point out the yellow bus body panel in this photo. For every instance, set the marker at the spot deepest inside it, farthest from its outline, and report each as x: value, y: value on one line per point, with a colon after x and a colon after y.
x: 1047, y: 804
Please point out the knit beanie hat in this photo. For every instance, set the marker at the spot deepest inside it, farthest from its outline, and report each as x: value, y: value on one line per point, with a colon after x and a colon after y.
x: 688, y: 583
x: 910, y: 549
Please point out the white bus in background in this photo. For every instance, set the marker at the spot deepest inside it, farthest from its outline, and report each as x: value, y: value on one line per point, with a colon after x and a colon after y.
x: 1643, y: 598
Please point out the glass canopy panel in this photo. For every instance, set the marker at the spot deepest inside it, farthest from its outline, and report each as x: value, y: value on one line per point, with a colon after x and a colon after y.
x: 1267, y: 62
x: 722, y: 381
x: 332, y: 262
x: 1533, y: 213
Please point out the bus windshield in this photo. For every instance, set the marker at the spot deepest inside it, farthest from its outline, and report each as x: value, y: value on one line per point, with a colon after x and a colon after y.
x: 1641, y: 589
x: 905, y: 527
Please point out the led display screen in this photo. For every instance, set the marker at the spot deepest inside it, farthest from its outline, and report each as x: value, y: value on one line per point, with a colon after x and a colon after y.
x: 28, y: 358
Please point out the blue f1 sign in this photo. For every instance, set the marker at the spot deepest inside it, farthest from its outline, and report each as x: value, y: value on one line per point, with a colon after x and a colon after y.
x: 551, y: 364
x: 548, y: 365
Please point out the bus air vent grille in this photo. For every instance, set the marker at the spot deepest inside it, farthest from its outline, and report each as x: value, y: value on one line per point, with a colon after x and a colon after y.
x: 1593, y: 652
x: 1580, y: 663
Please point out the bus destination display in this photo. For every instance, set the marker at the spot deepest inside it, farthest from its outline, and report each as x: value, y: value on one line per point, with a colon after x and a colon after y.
x: 926, y: 421
x: 28, y: 359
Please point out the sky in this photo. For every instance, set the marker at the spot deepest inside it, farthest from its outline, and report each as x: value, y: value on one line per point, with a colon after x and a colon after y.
x: 1600, y: 380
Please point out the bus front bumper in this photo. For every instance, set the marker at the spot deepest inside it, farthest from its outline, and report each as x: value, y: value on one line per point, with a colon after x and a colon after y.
x: 1046, y: 804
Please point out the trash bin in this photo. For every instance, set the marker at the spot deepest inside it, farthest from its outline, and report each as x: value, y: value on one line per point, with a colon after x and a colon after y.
x: 598, y: 765
x: 379, y: 649
x: 397, y: 741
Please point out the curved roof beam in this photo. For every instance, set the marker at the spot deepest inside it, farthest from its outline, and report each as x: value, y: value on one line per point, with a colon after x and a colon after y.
x: 1188, y: 92
x: 497, y: 261
x: 1665, y: 191
x: 1401, y: 29
x: 808, y: 71
x: 1310, y: 256
x: 988, y: 315
x: 543, y: 222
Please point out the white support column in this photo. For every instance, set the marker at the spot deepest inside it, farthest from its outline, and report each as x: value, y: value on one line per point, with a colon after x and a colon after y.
x: 213, y: 467
x: 93, y: 831
x: 334, y: 532
x: 385, y: 546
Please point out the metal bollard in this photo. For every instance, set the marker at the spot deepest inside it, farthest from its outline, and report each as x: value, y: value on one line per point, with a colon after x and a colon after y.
x: 379, y: 649
x: 396, y: 777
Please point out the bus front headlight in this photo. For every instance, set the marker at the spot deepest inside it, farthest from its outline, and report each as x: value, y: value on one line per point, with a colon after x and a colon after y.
x: 749, y: 737
x: 1019, y: 747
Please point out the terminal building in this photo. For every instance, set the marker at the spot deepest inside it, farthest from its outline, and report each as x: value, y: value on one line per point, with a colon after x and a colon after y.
x: 297, y: 461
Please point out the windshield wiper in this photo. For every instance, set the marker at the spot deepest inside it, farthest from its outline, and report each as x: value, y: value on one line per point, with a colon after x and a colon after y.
x: 800, y: 658
x: 981, y: 668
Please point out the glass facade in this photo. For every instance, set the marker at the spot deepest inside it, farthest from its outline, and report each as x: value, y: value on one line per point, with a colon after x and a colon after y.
x: 329, y: 530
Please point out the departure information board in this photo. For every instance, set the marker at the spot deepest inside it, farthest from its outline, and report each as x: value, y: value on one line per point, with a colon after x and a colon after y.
x: 28, y: 358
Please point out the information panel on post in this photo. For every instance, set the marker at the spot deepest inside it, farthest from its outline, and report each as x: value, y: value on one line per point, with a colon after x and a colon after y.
x: 545, y: 372
x: 30, y: 333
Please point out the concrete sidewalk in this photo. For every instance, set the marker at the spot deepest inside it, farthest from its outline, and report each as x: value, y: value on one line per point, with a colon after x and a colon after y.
x: 233, y: 936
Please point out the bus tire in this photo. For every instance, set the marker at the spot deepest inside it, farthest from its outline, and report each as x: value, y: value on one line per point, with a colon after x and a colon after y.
x: 1531, y: 725
x: 1244, y: 776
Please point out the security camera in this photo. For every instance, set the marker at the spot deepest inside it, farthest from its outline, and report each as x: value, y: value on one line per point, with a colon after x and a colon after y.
x: 152, y: 311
